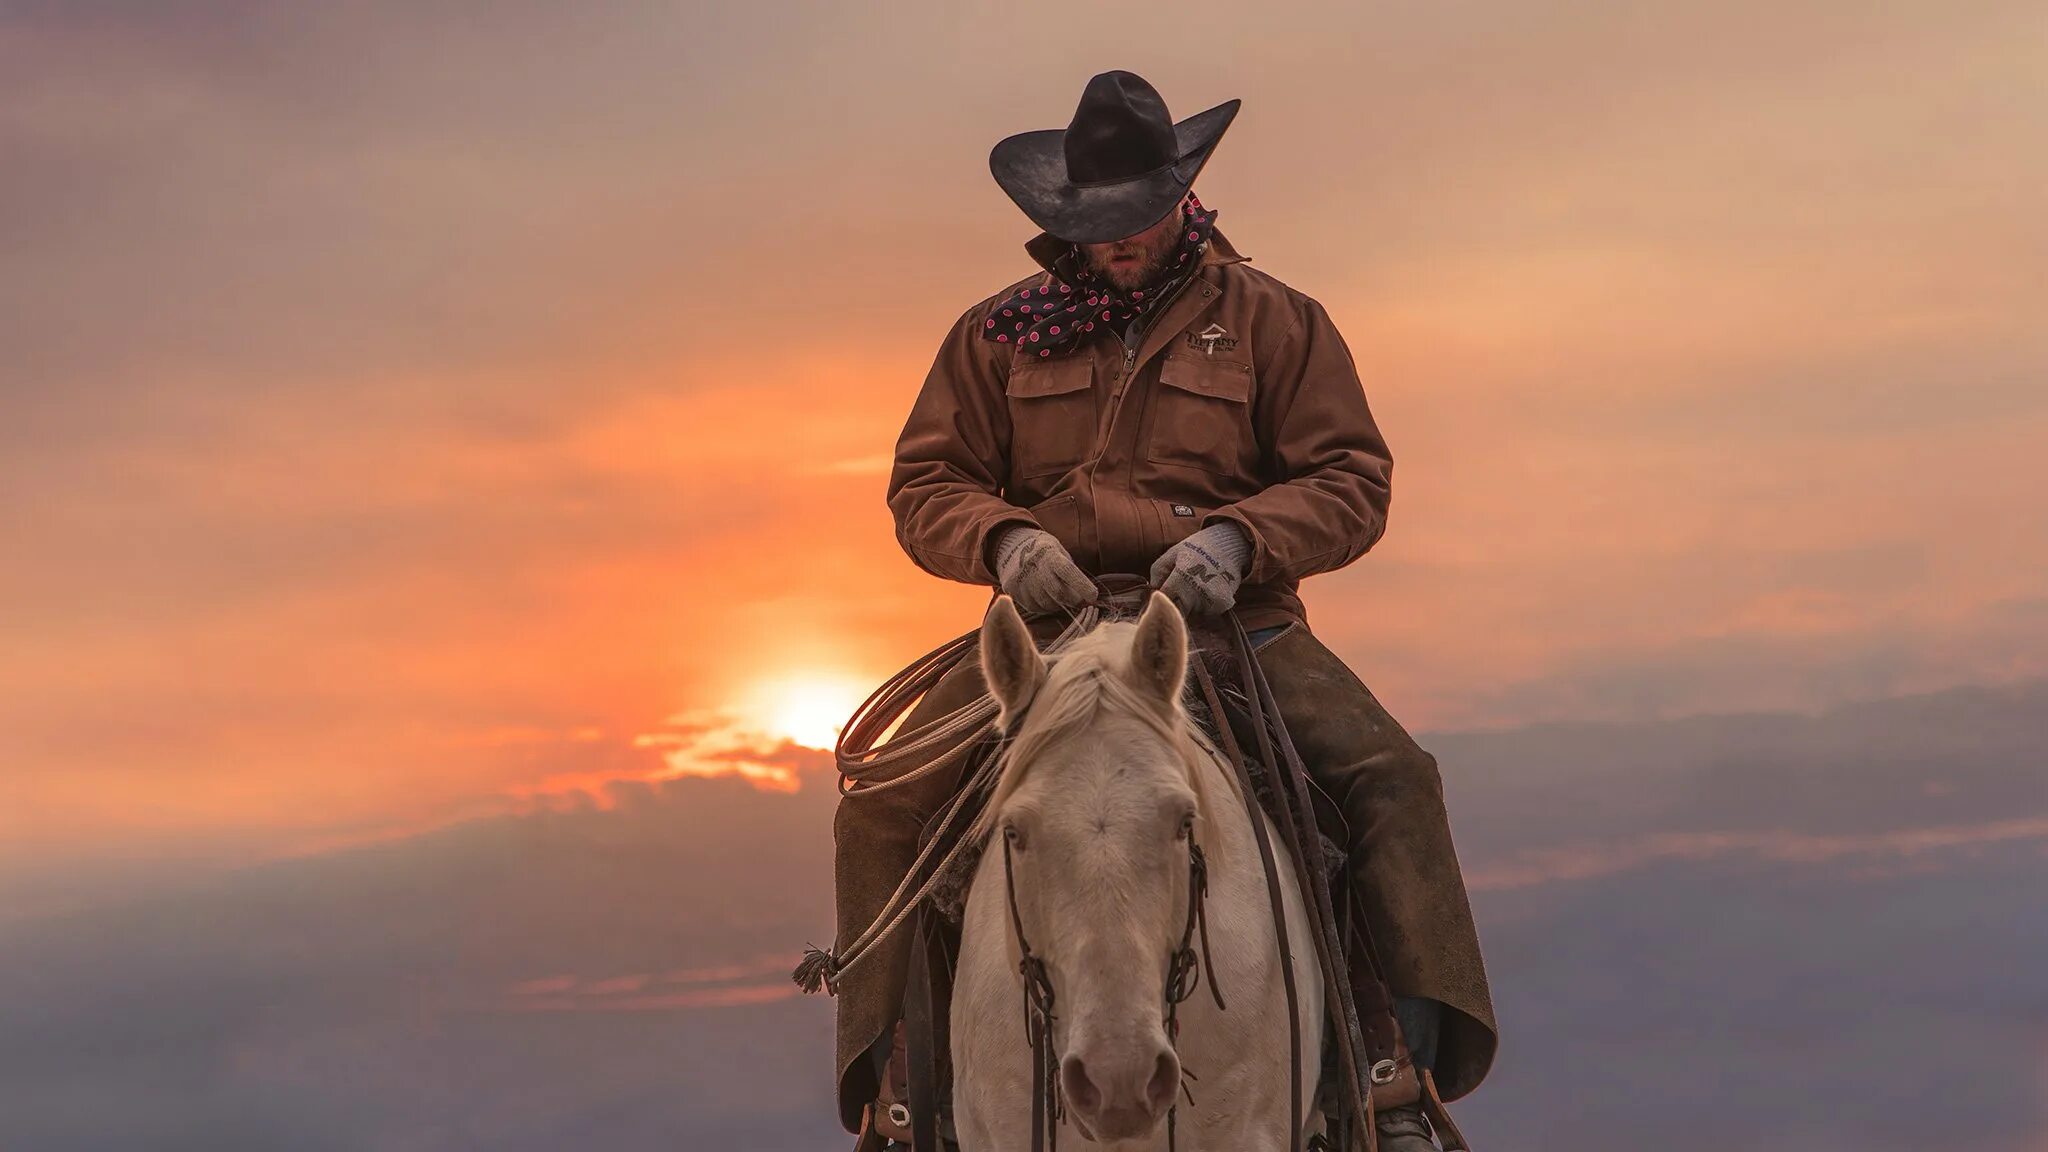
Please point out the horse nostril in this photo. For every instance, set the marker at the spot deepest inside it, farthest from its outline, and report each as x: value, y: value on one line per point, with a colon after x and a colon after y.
x: 1081, y: 1091
x: 1165, y: 1082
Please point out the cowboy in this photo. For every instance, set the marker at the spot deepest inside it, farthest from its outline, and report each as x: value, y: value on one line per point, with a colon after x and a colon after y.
x: 1147, y: 402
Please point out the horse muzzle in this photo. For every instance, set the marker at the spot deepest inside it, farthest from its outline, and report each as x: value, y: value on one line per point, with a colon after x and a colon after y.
x: 1120, y: 1095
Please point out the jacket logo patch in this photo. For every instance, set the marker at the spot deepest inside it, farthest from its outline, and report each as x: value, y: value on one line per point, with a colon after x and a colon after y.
x: 1183, y: 510
x: 1211, y: 338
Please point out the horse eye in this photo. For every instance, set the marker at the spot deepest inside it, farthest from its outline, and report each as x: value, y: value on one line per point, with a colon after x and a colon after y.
x: 1187, y: 826
x: 1014, y: 836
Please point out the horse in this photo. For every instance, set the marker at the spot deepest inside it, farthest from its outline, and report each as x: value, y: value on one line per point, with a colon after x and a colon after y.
x: 1112, y: 814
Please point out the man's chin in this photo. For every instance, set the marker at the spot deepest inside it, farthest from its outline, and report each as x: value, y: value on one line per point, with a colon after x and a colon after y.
x: 1126, y: 278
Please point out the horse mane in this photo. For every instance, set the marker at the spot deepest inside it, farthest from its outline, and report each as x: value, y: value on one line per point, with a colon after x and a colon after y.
x: 1088, y: 678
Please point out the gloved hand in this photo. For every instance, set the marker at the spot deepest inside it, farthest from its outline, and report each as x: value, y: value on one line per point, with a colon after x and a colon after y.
x: 1033, y: 567
x: 1201, y: 573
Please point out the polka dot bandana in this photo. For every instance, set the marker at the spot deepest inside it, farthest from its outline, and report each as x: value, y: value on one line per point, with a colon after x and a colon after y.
x: 1049, y: 318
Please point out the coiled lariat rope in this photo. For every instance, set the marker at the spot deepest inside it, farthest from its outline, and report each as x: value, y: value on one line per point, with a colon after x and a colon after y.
x: 869, y: 766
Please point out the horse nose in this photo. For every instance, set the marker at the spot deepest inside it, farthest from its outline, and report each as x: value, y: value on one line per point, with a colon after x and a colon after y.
x: 1165, y: 1081
x: 1121, y: 1098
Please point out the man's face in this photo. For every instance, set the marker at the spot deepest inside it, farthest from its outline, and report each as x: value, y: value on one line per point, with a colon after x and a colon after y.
x: 1139, y: 259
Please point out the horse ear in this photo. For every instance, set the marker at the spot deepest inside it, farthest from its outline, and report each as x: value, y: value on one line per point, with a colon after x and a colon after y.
x: 1009, y: 660
x: 1159, y: 653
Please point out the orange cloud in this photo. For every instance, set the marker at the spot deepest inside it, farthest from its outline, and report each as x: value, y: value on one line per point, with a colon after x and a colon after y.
x: 734, y: 997
x: 681, y: 989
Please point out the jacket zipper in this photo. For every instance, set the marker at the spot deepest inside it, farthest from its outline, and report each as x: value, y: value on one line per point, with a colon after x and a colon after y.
x: 1131, y: 350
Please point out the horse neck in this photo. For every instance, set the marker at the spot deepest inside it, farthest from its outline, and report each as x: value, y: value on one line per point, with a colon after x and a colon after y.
x: 1226, y: 830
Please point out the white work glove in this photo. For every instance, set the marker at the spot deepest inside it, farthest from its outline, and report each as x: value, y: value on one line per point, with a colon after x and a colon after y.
x: 1033, y: 567
x: 1201, y: 573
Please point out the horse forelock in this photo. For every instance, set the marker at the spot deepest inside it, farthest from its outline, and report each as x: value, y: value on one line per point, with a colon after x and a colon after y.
x: 1088, y: 682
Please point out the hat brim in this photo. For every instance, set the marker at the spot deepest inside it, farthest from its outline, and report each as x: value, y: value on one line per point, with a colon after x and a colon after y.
x: 1032, y: 168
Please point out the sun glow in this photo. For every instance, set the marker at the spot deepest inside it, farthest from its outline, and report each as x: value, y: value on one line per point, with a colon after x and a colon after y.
x: 752, y: 737
x: 807, y: 708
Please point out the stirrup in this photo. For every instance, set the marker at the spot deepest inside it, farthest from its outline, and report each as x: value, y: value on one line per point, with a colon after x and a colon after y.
x: 871, y: 1140
x: 874, y: 1122
x: 1432, y: 1105
x: 886, y: 1120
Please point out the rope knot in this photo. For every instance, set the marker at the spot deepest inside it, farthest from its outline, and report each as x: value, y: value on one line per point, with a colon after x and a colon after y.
x: 818, y: 969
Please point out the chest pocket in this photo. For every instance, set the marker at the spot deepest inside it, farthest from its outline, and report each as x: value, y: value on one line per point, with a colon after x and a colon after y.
x: 1052, y: 416
x: 1202, y: 418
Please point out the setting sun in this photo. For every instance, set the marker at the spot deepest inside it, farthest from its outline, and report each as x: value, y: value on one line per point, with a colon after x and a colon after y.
x: 807, y: 708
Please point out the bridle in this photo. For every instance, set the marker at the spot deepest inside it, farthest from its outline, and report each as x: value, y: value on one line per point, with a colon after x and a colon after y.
x: 1183, y: 976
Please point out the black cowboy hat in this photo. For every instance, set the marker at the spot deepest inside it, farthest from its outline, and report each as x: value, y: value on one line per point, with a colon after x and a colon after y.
x: 1118, y: 169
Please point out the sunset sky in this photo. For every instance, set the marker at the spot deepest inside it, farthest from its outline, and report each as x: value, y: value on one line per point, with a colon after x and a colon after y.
x: 411, y: 415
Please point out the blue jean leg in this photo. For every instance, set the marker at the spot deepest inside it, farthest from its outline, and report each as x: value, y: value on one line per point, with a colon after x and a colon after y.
x: 1418, y: 1017
x: 1259, y: 636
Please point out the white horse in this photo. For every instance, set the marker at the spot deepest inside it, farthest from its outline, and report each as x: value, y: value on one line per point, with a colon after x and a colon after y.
x: 1106, y: 779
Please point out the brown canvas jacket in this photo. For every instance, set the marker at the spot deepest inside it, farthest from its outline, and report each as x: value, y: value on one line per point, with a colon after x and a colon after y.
x: 1121, y: 457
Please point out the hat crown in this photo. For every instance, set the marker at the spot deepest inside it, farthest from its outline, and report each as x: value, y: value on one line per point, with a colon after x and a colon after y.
x: 1121, y: 129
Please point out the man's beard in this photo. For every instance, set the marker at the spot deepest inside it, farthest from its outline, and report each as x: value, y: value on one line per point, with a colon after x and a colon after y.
x: 1152, y: 273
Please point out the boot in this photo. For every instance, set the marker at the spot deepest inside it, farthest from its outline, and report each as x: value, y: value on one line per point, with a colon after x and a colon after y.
x: 1405, y: 1129
x: 1422, y: 1126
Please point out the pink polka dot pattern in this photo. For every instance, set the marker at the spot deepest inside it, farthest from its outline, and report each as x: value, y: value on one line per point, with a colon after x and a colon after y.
x: 1045, y: 306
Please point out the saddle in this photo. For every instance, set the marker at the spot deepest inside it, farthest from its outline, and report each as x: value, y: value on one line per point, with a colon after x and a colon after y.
x: 1366, y: 1064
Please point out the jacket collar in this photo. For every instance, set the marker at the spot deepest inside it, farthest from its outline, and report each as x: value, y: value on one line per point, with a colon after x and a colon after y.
x: 1046, y: 249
